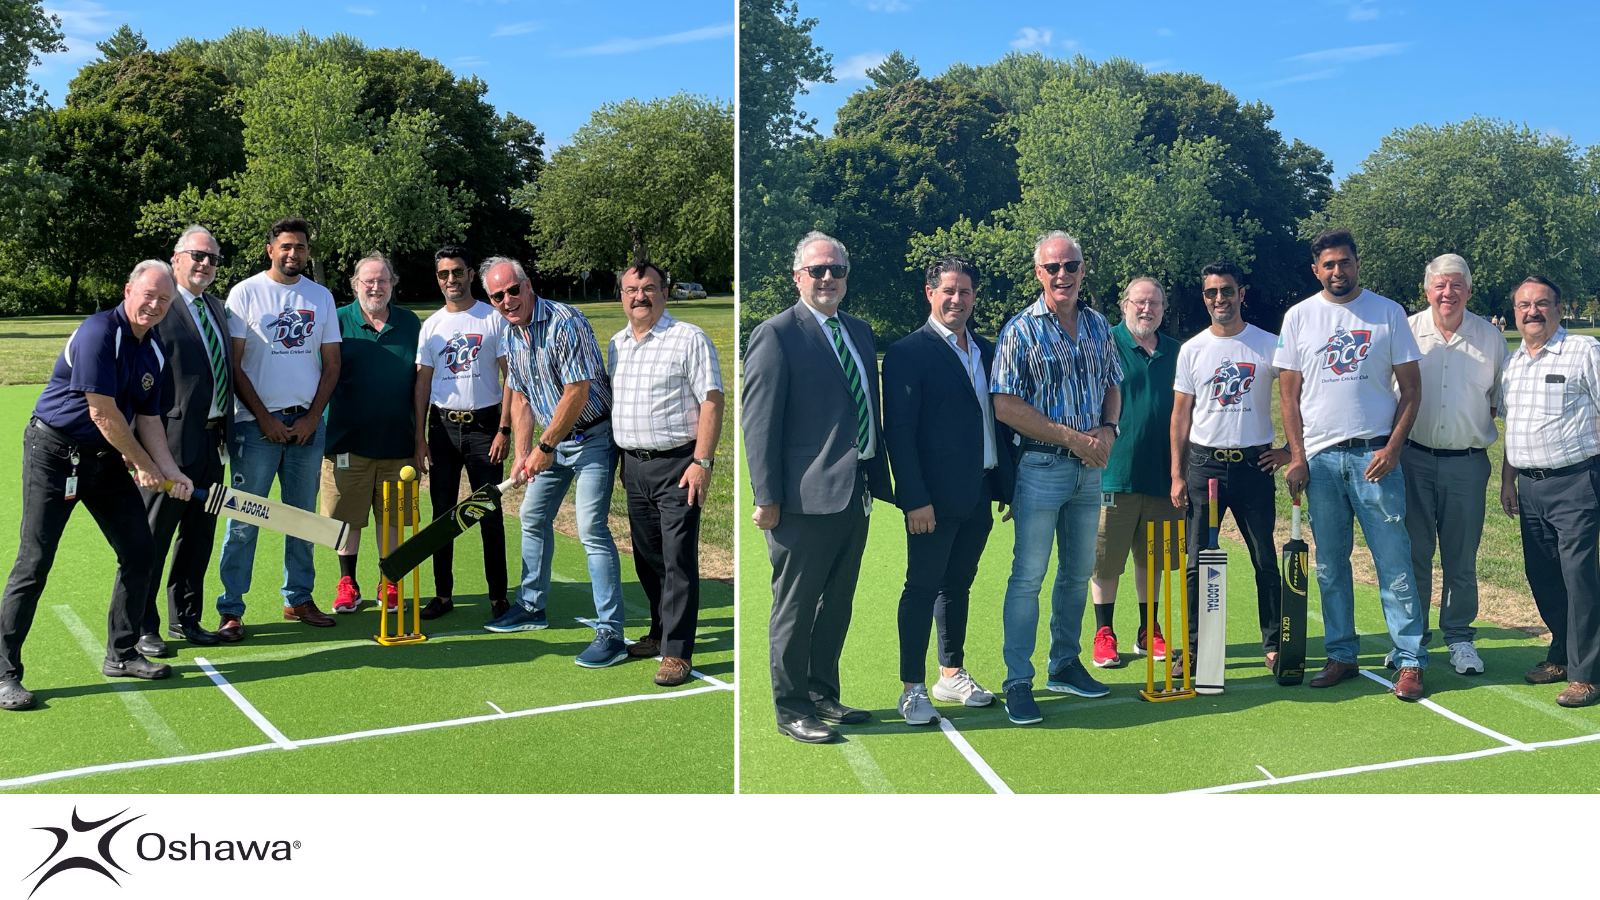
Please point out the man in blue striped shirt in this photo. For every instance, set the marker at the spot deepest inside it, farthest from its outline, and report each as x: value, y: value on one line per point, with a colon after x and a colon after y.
x: 558, y: 377
x: 1055, y: 383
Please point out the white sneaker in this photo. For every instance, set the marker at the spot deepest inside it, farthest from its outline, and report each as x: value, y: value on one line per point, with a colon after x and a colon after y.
x: 1464, y: 656
x: 1391, y: 660
x: 960, y: 688
x: 915, y: 706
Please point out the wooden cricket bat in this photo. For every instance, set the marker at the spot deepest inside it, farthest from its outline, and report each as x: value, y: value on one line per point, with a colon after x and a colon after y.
x: 442, y: 530
x: 1212, y: 652
x: 1291, y: 665
x: 270, y: 514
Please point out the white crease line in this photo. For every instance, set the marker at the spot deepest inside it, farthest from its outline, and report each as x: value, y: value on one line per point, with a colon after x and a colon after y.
x: 695, y: 672
x: 987, y: 773
x: 1544, y: 706
x: 253, y: 714
x: 866, y: 770
x: 1454, y: 717
x: 161, y: 734
x: 495, y: 708
x: 1266, y: 773
x: 24, y: 780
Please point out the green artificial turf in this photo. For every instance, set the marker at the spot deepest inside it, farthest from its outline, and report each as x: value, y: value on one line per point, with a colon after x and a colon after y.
x: 318, y: 682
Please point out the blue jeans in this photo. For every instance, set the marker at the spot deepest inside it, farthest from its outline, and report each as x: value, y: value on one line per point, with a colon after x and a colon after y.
x: 1057, y: 501
x: 592, y: 462
x: 255, y: 462
x: 1338, y: 491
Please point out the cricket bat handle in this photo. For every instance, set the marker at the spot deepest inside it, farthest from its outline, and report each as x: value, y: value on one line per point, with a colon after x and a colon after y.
x: 1294, y: 520
x: 198, y: 493
x: 1211, y: 486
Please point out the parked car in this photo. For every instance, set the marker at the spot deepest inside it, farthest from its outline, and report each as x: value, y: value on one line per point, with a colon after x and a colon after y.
x: 688, y: 290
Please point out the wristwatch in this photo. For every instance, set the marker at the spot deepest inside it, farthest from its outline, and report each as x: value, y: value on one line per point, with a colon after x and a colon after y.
x: 546, y: 447
x: 505, y: 430
x: 704, y: 463
x: 1115, y: 428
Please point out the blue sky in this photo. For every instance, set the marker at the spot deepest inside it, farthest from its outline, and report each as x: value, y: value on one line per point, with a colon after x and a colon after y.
x: 550, y: 62
x: 1339, y: 74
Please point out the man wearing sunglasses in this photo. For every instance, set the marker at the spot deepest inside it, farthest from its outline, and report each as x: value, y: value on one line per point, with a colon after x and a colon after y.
x: 558, y: 379
x: 815, y: 447
x: 1055, y: 382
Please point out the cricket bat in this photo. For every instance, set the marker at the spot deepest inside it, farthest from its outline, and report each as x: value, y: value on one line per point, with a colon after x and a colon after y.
x: 1291, y: 666
x: 442, y: 530
x: 1213, y: 650
x: 270, y: 514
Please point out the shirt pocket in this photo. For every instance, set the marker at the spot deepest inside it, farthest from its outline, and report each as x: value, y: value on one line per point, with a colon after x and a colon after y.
x: 1556, y: 397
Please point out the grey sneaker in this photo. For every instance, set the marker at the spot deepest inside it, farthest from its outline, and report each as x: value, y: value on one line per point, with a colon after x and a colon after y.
x: 1391, y: 660
x: 915, y: 706
x: 960, y: 688
x: 1464, y: 656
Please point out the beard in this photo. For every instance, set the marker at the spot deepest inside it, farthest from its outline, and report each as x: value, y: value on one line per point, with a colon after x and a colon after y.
x: 1138, y: 329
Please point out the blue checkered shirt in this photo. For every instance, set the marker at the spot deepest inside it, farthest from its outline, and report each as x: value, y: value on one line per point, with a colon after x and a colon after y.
x: 556, y: 349
x: 1063, y: 378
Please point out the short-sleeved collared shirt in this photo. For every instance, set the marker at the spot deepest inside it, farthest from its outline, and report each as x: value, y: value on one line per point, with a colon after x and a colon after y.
x: 1064, y: 377
x: 1552, y: 402
x: 556, y: 349
x: 103, y: 357
x: 658, y: 383
x: 972, y: 361
x: 1460, y: 382
x: 1141, y: 459
x: 371, y: 412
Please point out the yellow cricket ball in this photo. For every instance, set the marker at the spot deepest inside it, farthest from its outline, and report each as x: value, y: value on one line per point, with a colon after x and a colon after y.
x: 408, y: 474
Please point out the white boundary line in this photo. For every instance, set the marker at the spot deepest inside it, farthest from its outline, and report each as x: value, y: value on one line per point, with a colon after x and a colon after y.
x: 988, y: 774
x: 161, y: 734
x: 253, y: 714
x: 723, y: 685
x: 866, y: 770
x: 1454, y: 717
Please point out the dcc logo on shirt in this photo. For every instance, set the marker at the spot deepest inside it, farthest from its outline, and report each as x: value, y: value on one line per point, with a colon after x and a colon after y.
x: 461, y: 351
x: 1231, y: 382
x: 1345, y: 350
x: 293, y: 328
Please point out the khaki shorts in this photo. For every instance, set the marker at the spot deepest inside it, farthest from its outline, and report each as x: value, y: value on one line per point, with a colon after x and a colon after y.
x: 348, y: 494
x: 1123, y: 530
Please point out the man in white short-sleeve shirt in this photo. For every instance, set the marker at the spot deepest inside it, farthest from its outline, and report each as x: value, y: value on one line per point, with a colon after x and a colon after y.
x: 286, y: 364
x: 1350, y: 386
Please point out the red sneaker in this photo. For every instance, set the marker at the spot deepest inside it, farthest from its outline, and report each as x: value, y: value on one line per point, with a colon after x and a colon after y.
x: 1105, y: 648
x: 348, y: 599
x: 1160, y: 644
x: 391, y: 596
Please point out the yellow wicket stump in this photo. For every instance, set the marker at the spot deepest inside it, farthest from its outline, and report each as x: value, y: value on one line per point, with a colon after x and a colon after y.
x: 402, y: 512
x: 1171, y: 563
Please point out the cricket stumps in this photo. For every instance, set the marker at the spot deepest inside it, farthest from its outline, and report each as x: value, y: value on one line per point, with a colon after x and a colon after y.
x: 401, y: 505
x: 1167, y: 558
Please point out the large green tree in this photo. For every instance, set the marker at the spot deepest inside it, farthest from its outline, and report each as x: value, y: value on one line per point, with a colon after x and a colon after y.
x: 26, y: 187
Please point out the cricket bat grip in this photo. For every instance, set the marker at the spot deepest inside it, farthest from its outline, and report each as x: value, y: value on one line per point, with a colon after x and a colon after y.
x: 197, y: 493
x: 1294, y: 514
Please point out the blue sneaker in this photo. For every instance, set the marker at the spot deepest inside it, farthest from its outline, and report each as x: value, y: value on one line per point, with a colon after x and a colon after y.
x: 518, y: 618
x: 1073, y: 678
x: 1021, y: 708
x: 607, y: 648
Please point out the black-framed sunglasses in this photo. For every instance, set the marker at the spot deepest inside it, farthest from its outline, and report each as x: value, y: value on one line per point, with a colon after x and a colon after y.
x: 448, y: 274
x: 1227, y: 293
x: 202, y: 257
x: 513, y: 291
x: 817, y: 271
x: 1070, y: 265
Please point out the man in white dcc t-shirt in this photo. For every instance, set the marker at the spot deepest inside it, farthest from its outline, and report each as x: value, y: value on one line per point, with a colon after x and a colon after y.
x: 1350, y: 384
x: 285, y: 366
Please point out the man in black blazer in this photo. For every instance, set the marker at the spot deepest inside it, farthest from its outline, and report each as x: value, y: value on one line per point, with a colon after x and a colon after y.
x: 199, y: 427
x: 815, y: 451
x: 951, y: 460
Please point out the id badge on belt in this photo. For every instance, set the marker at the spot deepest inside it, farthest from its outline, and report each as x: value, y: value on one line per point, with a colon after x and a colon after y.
x: 71, y: 492
x: 866, y: 503
x: 341, y: 461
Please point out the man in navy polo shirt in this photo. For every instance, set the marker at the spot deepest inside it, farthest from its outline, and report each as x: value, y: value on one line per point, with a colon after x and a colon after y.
x: 111, y: 375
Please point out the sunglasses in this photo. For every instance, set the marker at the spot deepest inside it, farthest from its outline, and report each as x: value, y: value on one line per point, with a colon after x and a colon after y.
x: 202, y: 257
x: 1227, y: 293
x: 817, y: 271
x: 448, y: 274
x: 513, y: 291
x: 1070, y: 265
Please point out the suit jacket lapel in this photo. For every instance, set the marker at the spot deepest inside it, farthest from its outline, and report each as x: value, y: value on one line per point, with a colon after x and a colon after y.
x: 948, y: 353
x: 219, y: 319
x: 821, y: 342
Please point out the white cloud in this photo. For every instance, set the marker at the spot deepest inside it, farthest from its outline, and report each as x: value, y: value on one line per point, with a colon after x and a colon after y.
x: 469, y: 61
x: 1351, y: 54
x: 361, y: 10
x: 1308, y: 76
x: 1363, y: 11
x: 515, y: 28
x: 888, y: 5
x: 633, y: 45
x: 83, y: 22
x: 1164, y: 32
x: 1031, y: 38
x: 855, y: 68
x: 1156, y: 65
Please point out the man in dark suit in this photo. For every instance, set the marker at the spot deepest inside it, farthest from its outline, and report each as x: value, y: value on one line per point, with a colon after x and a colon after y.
x: 816, y: 455
x: 951, y: 460
x: 199, y: 426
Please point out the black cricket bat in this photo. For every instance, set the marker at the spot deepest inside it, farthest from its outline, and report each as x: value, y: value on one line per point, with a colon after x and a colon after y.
x: 1291, y: 666
x: 442, y: 530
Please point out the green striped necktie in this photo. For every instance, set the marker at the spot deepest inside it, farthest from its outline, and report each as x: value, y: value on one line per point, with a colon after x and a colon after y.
x: 219, y: 363
x: 852, y: 376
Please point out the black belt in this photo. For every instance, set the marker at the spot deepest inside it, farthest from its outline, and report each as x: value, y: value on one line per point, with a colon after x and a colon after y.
x: 218, y: 422
x: 70, y: 441
x: 674, y: 453
x: 1232, y: 454
x: 1541, y: 474
x: 1425, y: 449
x: 1053, y: 449
x: 289, y: 411
x: 581, y: 427
x: 1361, y: 443
x: 468, y: 416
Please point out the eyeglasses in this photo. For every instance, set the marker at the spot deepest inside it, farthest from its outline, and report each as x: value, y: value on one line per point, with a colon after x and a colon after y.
x: 201, y: 257
x: 372, y: 282
x: 1070, y: 265
x: 448, y: 274
x: 648, y: 290
x: 513, y: 291
x: 1226, y: 293
x: 817, y: 271
x: 1541, y: 306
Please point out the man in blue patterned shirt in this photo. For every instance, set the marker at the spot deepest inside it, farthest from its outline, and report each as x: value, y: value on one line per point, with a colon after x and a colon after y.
x: 1055, y: 383
x: 558, y: 377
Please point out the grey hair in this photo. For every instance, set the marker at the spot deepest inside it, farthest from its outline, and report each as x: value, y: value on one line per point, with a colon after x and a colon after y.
x: 812, y: 238
x: 1057, y: 235
x: 1447, y: 264
x: 149, y: 264
x: 194, y: 229
x: 374, y: 256
x: 1148, y: 280
x: 489, y: 264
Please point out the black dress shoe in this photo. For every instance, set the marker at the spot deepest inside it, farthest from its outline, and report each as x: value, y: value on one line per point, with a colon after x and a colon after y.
x: 437, y: 607
x: 839, y: 714
x: 498, y: 608
x: 194, y: 634
x: 138, y: 667
x: 808, y: 731
x: 151, y: 645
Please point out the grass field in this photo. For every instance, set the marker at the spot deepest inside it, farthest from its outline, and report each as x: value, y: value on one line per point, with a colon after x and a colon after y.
x: 467, y: 711
x: 1481, y: 734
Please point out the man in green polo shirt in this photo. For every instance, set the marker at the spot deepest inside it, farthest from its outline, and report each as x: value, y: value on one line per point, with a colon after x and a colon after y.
x: 1135, y: 484
x: 371, y: 426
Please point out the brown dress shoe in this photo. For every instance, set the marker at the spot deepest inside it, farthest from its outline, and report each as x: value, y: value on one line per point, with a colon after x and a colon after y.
x: 1335, y: 672
x: 1271, y: 660
x: 673, y: 672
x: 1546, y: 673
x: 644, y: 648
x: 231, y: 631
x: 308, y: 613
x: 1579, y: 694
x: 1408, y: 683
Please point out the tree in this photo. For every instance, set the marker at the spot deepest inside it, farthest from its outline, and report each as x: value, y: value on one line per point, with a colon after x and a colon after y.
x: 26, y: 187
x: 123, y: 43
x: 895, y: 69
x: 640, y: 181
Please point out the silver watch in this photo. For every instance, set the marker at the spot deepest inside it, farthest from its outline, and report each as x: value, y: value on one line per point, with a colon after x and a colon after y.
x: 704, y: 463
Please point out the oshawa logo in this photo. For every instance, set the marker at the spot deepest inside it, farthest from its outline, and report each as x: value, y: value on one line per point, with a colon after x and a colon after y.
x: 1231, y: 382
x: 151, y: 847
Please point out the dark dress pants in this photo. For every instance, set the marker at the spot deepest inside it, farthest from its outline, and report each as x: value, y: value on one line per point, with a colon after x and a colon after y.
x: 666, y: 547
x: 815, y: 563
x: 1560, y: 524
x: 940, y: 567
x: 453, y: 446
x: 1250, y: 495
x: 196, y: 532
x: 107, y: 490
